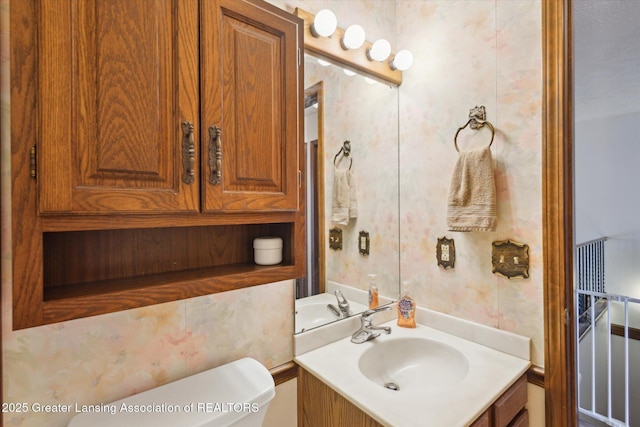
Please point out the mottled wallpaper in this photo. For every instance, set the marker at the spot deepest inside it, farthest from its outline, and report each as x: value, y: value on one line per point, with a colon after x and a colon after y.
x: 470, y: 53
x: 467, y: 53
x: 108, y: 357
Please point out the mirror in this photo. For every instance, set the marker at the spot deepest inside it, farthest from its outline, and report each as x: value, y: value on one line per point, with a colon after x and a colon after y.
x: 340, y: 108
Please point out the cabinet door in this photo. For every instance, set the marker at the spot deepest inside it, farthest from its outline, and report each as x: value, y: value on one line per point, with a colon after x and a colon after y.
x: 117, y: 80
x: 250, y: 103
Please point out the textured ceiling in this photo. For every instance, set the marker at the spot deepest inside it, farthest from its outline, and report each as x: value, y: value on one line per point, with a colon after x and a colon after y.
x: 606, y: 58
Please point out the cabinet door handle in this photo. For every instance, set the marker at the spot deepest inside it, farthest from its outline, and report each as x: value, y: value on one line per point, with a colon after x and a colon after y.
x: 188, y: 153
x: 215, y: 155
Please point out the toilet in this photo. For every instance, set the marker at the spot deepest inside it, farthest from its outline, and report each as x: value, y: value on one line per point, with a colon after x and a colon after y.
x: 236, y: 394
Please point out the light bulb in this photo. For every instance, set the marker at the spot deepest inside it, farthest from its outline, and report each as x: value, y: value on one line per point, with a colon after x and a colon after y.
x: 324, y: 24
x: 323, y: 62
x: 379, y: 51
x: 349, y: 72
x: 402, y: 61
x: 353, y: 37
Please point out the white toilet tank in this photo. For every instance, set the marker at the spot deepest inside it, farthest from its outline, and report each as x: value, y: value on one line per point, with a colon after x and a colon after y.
x: 235, y: 394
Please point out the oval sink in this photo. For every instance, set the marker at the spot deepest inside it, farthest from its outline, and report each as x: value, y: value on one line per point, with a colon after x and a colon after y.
x: 406, y: 364
x: 312, y: 311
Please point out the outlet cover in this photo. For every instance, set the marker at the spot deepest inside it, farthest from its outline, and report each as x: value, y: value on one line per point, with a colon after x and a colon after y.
x: 363, y: 242
x: 446, y: 253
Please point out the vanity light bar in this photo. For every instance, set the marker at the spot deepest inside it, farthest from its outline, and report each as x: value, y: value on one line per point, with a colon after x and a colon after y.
x: 331, y: 49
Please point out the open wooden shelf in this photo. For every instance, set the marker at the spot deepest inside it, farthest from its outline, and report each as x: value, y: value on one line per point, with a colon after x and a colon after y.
x: 97, y: 255
x: 89, y: 299
x: 98, y: 270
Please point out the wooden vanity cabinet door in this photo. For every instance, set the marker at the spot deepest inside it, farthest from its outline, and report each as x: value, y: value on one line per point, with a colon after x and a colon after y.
x: 320, y: 405
x: 116, y: 79
x: 522, y: 420
x: 508, y: 410
x: 251, y: 91
x: 509, y: 405
x: 484, y: 420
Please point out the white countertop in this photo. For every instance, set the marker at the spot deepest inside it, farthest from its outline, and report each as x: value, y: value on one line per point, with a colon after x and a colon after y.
x: 491, y: 372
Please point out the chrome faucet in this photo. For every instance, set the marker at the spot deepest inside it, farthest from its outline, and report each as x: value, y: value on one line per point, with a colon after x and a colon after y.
x: 343, y: 304
x: 344, y: 309
x: 367, y: 331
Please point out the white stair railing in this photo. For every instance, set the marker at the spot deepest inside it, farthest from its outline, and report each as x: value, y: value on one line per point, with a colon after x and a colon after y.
x: 596, y: 309
x: 614, y: 305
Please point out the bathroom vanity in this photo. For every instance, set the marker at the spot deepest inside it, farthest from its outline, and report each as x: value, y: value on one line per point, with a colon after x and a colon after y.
x: 464, y: 375
x: 321, y: 404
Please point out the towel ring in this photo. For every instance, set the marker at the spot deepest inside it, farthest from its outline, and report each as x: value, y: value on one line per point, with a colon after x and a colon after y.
x: 346, y: 152
x: 475, y: 124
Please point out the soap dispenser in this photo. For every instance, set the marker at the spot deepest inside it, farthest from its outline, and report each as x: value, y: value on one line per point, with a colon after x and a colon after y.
x: 373, y: 292
x: 406, y: 308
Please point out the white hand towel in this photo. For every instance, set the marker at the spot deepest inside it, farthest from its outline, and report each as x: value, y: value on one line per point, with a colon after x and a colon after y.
x: 472, y: 194
x: 353, y: 202
x: 343, y: 204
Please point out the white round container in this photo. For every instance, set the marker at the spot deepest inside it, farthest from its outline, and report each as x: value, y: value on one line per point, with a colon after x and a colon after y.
x: 267, y: 250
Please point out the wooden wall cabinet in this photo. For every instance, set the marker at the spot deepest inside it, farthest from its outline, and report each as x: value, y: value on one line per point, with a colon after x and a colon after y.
x: 151, y: 142
x: 166, y: 105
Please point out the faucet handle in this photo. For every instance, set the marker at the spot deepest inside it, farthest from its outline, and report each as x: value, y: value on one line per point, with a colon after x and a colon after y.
x: 343, y: 304
x: 367, y: 331
x: 368, y: 314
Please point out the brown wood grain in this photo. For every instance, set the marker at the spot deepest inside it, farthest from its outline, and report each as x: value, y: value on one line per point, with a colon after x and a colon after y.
x: 26, y: 233
x: 318, y: 90
x: 321, y: 406
x: 285, y: 372
x: 330, y: 48
x: 104, y: 222
x: 484, y: 420
x: 92, y: 251
x: 91, y: 256
x: 507, y: 407
x: 254, y: 96
x: 116, y: 80
x: 634, y: 333
x: 522, y: 420
x: 557, y: 175
x: 535, y: 375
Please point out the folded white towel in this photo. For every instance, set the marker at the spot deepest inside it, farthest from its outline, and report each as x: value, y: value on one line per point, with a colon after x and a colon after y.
x: 353, y: 201
x: 344, y: 203
x: 472, y: 194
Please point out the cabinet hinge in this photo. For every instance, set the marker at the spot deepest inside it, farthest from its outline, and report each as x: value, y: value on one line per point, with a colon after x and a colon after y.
x: 299, y: 57
x: 566, y: 316
x: 32, y: 159
x: 299, y: 179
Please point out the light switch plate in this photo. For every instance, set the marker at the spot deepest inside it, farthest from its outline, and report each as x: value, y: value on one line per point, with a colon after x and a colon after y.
x: 511, y: 259
x: 335, y: 238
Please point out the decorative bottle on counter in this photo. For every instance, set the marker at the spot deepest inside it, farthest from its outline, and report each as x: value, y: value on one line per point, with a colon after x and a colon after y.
x: 373, y: 292
x: 406, y: 308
